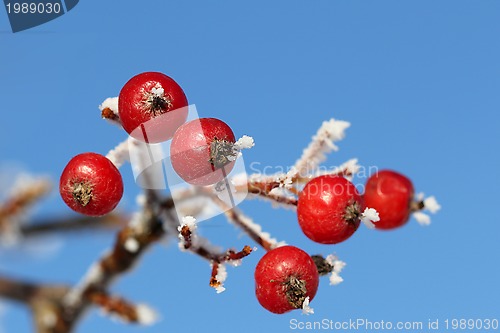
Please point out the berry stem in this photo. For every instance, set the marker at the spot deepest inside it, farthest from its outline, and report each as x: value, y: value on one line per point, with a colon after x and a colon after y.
x: 416, y: 206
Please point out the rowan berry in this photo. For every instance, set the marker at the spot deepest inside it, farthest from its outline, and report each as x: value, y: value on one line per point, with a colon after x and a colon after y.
x: 329, y: 209
x: 152, y: 106
x: 391, y: 194
x: 90, y: 184
x: 202, y: 151
x: 284, y: 278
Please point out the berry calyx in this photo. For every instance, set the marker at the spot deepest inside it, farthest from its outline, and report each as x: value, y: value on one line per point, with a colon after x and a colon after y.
x: 391, y: 194
x: 152, y: 106
x: 329, y: 209
x: 284, y: 278
x: 90, y: 184
x: 202, y: 151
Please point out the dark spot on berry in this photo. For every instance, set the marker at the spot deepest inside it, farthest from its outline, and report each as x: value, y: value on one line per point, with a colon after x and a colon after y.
x: 352, y: 212
x: 159, y: 103
x: 295, y: 291
x: 82, y: 193
x: 221, y: 153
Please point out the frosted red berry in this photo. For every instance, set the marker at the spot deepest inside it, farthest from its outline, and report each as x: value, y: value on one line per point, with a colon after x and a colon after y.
x: 90, y: 184
x: 391, y: 194
x: 152, y: 106
x: 284, y: 277
x: 329, y: 209
x: 202, y: 151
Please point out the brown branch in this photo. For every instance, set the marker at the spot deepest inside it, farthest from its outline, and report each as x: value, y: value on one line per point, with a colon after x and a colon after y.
x: 115, y: 305
x: 18, y: 291
x: 22, y: 199
x: 242, y: 221
x: 74, y: 223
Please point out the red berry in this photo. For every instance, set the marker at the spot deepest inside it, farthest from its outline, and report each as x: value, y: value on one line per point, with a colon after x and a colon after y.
x: 329, y: 209
x: 391, y: 194
x: 284, y: 277
x: 155, y: 101
x: 202, y: 151
x: 90, y: 184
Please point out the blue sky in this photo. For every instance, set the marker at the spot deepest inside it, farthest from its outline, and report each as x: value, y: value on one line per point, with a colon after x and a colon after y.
x: 418, y: 80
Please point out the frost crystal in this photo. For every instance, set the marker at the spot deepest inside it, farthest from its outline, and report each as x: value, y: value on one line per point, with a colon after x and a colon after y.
x: 335, y: 279
x: 422, y: 218
x: 322, y: 143
x: 158, y: 91
x: 120, y: 154
x: 190, y: 222
x: 369, y: 216
x: 338, y: 266
x: 431, y: 205
x: 221, y: 277
x: 306, y: 309
x: 110, y: 103
x: 245, y: 142
x: 131, y: 245
x: 146, y: 315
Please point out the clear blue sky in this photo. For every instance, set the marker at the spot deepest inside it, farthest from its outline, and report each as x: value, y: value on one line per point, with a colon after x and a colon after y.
x: 418, y: 80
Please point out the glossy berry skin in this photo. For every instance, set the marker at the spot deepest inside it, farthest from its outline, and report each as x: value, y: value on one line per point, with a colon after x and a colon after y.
x: 91, y: 185
x: 202, y: 151
x: 284, y: 277
x: 152, y: 106
x: 391, y: 194
x: 328, y: 209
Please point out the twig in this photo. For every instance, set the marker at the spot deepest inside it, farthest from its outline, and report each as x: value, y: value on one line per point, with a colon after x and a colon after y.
x: 73, y: 224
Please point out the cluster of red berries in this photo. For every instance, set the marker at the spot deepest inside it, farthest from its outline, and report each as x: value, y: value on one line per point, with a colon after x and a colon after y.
x: 329, y: 207
x: 329, y: 210
x: 153, y: 108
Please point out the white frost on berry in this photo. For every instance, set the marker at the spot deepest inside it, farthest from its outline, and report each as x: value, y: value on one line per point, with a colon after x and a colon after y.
x: 245, y: 142
x: 322, y: 143
x: 431, y: 205
x: 338, y: 266
x: 110, y: 103
x: 146, y: 315
x: 131, y: 245
x: 369, y: 216
x: 158, y: 90
x: 422, y: 218
x: 120, y: 154
x: 306, y: 309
